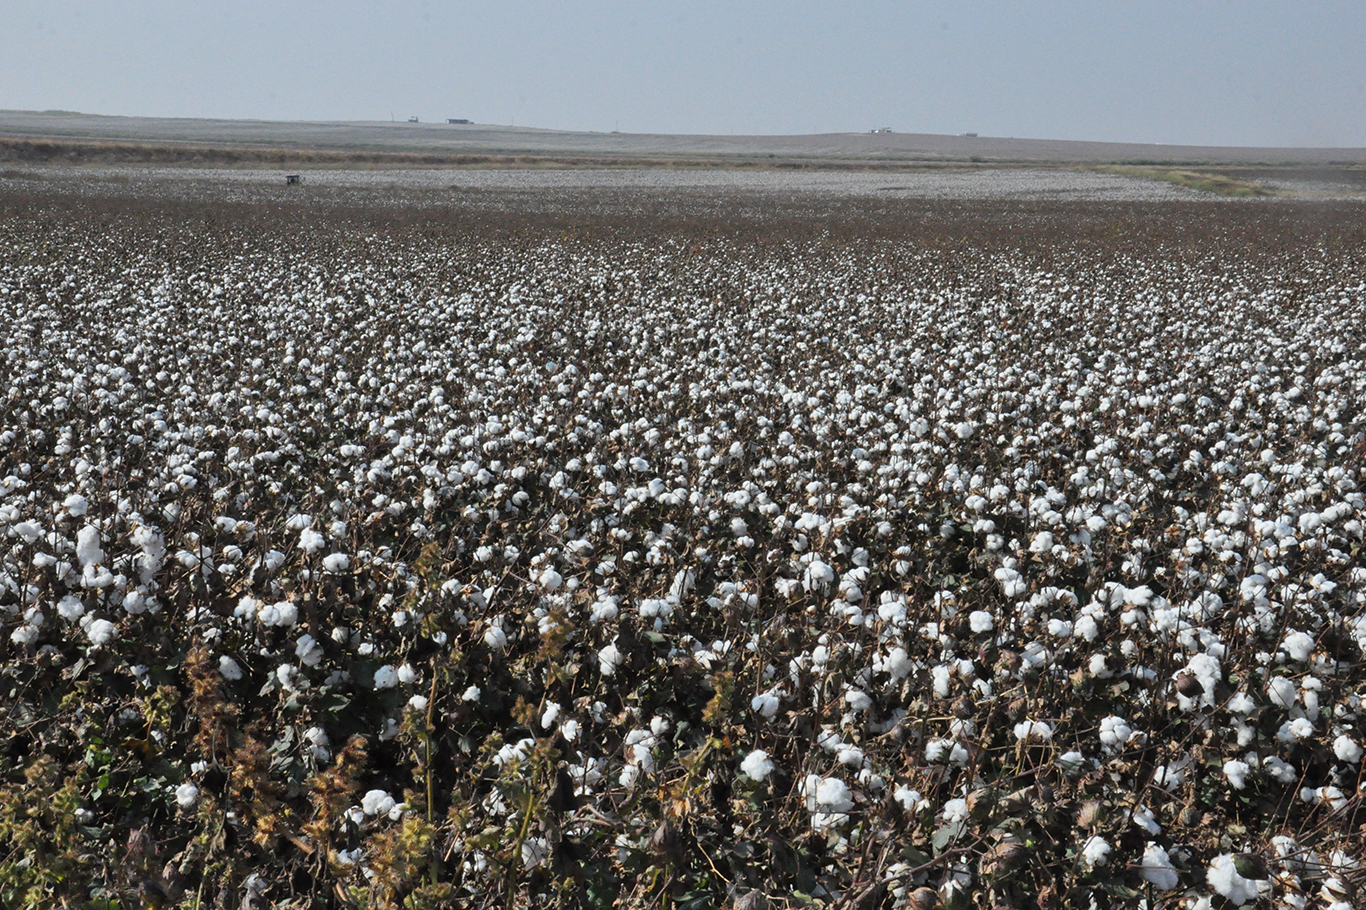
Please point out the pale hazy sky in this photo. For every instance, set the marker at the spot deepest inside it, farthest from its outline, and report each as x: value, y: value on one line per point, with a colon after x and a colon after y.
x: 1236, y: 72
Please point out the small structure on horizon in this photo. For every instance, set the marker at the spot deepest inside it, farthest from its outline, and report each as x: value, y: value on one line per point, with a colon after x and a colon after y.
x: 970, y: 135
x: 882, y: 129
x: 455, y: 120
x: 413, y: 120
x: 293, y: 179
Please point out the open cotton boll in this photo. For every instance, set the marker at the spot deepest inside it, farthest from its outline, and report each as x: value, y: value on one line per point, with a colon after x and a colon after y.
x: 1347, y: 749
x: 1282, y: 692
x: 101, y: 632
x: 757, y: 765
x: 1034, y: 731
x: 832, y: 795
x: 1095, y: 852
x: 1222, y: 875
x: 603, y: 609
x: 609, y: 658
x: 550, y: 715
x: 857, y: 700
x: 336, y: 563
x: 310, y: 541
x: 981, y: 621
x: 76, y: 505
x: 309, y: 652
x: 70, y: 608
x: 386, y: 677
x: 377, y: 802
x: 1157, y: 869
x: 765, y: 704
x: 1298, y: 645
x: 230, y: 669
x: 1236, y: 772
x: 550, y: 580
x: 186, y: 795
x: 909, y: 799
x: 494, y: 636
x: 1114, y: 731
x: 473, y: 693
x: 280, y: 613
x: 88, y: 552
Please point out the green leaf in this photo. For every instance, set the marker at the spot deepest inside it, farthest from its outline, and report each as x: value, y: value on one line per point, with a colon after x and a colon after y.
x: 946, y: 835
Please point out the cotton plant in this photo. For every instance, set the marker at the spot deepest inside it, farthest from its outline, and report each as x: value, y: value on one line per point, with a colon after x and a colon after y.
x: 886, y: 534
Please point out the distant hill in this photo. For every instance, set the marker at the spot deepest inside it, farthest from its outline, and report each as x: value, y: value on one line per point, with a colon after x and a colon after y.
x: 65, y: 136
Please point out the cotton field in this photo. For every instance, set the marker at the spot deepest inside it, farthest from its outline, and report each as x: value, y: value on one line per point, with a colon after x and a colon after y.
x: 690, y: 551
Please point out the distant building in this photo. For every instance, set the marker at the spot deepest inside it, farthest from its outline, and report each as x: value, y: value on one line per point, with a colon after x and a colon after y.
x: 970, y: 135
x: 413, y: 120
x: 293, y: 179
x: 883, y: 129
x: 453, y: 120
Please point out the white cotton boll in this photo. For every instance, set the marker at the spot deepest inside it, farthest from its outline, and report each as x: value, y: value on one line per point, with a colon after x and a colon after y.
x: 550, y: 580
x: 609, y: 658
x: 1347, y: 749
x: 1085, y: 627
x: 1157, y: 869
x: 1059, y: 628
x: 418, y: 703
x: 1095, y: 852
x: 757, y: 765
x: 980, y: 621
x: 550, y: 715
x: 1072, y: 761
x: 1114, y: 731
x: 1295, y: 730
x: 76, y: 505
x: 299, y: 522
x: 186, y: 795
x: 25, y: 635
x: 1236, y: 772
x: 955, y: 810
x: 629, y: 775
x: 1298, y: 645
x: 336, y: 563
x: 386, y: 677
x: 230, y: 669
x: 406, y: 674
x: 377, y: 802
x: 603, y: 609
x: 286, y: 674
x: 101, y: 632
x: 898, y: 664
x: 309, y: 652
x: 310, y: 541
x: 28, y: 531
x: 765, y: 704
x: 494, y: 636
x: 70, y: 608
x: 570, y: 730
x: 1282, y: 692
x: 833, y: 795
x: 88, y: 552
x: 738, y: 527
x: 473, y: 693
x: 819, y: 574
x: 134, y: 603
x: 849, y: 755
x: 1097, y: 668
x: 1033, y: 731
x: 1224, y: 878
x: 857, y: 700
x: 909, y: 799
